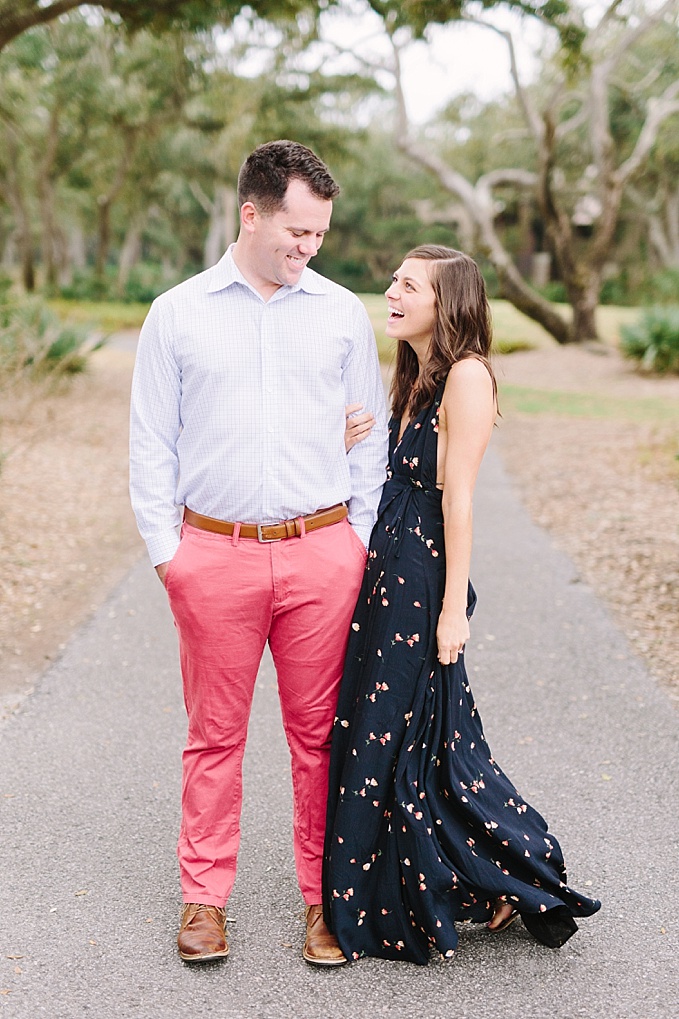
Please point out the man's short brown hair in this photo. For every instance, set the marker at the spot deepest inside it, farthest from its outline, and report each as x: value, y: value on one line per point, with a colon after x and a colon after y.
x: 266, y: 173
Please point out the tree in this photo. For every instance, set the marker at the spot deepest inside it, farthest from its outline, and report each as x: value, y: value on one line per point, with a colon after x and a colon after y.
x: 82, y: 109
x: 581, y: 165
x: 654, y: 194
x: 17, y: 16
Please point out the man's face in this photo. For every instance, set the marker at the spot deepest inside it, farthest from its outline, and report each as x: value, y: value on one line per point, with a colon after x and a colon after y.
x: 283, y: 242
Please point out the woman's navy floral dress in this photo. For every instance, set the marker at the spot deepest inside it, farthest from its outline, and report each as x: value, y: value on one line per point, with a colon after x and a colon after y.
x: 423, y: 827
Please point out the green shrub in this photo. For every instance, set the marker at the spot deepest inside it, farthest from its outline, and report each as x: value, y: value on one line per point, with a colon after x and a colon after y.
x: 616, y: 290
x: 35, y: 343
x: 663, y: 286
x: 146, y: 281
x: 653, y: 340
x: 555, y: 291
x: 511, y: 346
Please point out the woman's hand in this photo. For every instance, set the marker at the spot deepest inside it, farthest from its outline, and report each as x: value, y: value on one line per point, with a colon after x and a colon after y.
x: 452, y: 633
x: 358, y: 426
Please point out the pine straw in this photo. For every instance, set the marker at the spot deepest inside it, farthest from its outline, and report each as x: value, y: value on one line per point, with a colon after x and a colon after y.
x: 608, y: 491
x: 67, y: 534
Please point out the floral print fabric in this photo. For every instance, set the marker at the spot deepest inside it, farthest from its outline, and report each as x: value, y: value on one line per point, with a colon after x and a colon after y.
x: 423, y: 827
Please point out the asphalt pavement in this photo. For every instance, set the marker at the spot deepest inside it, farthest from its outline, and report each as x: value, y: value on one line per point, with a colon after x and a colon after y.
x: 89, y: 801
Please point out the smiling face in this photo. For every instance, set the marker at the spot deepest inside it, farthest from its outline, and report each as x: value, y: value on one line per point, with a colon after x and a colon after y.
x: 273, y: 249
x: 411, y: 305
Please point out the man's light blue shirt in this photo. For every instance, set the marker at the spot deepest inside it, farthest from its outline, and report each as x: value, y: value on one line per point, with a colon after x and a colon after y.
x: 238, y: 405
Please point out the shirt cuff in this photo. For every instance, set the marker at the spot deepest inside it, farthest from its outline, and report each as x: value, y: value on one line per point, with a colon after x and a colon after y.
x: 162, y: 547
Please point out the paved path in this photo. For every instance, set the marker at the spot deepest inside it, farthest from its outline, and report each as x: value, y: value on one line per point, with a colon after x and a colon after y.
x: 89, y: 793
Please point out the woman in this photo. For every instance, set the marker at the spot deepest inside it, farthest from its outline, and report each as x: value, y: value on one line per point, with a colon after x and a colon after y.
x: 423, y: 827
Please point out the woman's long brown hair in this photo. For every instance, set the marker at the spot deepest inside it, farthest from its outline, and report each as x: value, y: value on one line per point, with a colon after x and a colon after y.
x: 462, y: 328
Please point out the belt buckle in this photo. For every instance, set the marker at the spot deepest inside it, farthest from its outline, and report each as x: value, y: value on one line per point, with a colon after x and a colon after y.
x: 265, y: 541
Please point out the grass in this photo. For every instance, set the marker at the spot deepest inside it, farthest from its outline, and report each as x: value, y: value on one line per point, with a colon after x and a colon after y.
x: 376, y: 306
x: 512, y: 329
x: 104, y: 316
x: 587, y: 405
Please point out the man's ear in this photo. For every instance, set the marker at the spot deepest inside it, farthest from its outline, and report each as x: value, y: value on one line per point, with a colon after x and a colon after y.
x: 248, y: 216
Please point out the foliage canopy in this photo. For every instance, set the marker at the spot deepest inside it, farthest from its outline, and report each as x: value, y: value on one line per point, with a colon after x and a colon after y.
x: 16, y: 16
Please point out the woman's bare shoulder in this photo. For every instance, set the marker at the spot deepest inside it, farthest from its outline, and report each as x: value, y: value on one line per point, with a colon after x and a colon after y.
x: 469, y: 369
x: 468, y: 378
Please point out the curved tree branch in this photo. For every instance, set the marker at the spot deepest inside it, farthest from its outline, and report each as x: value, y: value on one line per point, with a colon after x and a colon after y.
x: 479, y: 202
x: 634, y: 33
x: 659, y: 109
x: 600, y: 134
x: 16, y: 16
x: 496, y: 178
x: 531, y: 115
x: 564, y: 127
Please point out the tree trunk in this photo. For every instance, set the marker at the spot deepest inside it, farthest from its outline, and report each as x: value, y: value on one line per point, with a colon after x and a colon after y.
x: 64, y: 266
x: 230, y: 202
x: 105, y: 201
x: 663, y: 229
x: 77, y: 247
x: 9, y: 252
x: 537, y: 309
x: 25, y: 240
x: 222, y: 227
x: 479, y: 202
x: 27, y: 261
x: 584, y: 301
x: 526, y: 240
x: 130, y: 251
x: 49, y: 243
x: 46, y: 192
x: 512, y: 284
x: 103, y: 235
x: 584, y: 321
x: 22, y: 218
x: 214, y: 243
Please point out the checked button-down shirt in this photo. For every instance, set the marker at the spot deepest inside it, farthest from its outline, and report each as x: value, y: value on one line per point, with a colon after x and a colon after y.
x: 238, y: 405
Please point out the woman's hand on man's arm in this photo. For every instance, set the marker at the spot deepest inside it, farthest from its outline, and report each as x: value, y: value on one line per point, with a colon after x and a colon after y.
x: 358, y: 427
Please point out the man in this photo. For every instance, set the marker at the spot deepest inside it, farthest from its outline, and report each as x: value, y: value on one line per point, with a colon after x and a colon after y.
x: 238, y: 398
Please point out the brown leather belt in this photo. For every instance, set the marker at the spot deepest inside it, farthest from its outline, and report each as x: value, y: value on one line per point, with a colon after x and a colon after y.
x: 269, y: 532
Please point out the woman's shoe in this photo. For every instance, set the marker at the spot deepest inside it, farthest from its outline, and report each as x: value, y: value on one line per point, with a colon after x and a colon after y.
x: 505, y: 923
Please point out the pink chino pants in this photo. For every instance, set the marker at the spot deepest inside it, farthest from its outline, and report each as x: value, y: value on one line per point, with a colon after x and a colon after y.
x: 228, y: 596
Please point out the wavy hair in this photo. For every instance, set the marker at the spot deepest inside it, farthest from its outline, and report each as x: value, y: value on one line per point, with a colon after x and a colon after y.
x: 462, y: 328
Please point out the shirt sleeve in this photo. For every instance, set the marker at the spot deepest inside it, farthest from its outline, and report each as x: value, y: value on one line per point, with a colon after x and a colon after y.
x: 367, y: 459
x: 155, y: 424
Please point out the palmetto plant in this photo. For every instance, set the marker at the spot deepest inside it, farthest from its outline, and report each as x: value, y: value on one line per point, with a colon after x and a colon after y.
x: 653, y: 341
x: 34, y: 343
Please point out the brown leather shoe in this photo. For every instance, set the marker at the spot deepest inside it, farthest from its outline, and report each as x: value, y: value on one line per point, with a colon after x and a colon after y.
x: 202, y: 934
x: 321, y: 947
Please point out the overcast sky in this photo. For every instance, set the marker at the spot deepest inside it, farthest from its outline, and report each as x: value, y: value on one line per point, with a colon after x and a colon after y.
x: 458, y: 58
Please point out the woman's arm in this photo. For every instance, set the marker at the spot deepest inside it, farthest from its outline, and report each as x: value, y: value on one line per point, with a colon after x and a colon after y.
x: 466, y: 423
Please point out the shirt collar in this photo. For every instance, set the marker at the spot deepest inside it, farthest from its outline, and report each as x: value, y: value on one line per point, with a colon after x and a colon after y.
x: 226, y: 272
